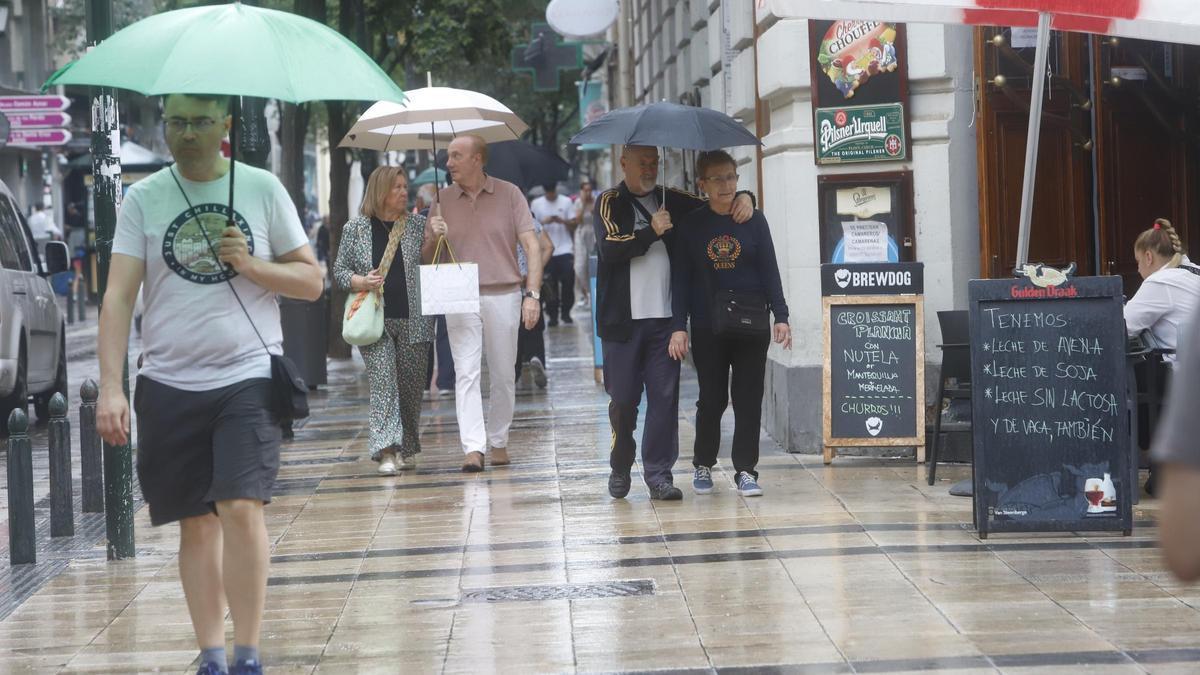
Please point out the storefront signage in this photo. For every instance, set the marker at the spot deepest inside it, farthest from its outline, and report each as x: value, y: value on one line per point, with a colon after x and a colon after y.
x: 868, y: 133
x: 852, y: 52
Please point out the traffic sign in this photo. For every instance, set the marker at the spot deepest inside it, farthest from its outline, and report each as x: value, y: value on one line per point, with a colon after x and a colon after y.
x: 38, y: 120
x: 47, y: 103
x: 39, y: 137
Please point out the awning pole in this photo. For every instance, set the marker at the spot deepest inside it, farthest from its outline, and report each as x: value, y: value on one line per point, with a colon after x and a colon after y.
x: 1035, y: 132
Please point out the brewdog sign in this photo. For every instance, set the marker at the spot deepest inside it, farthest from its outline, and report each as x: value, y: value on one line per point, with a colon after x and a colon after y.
x: 867, y: 133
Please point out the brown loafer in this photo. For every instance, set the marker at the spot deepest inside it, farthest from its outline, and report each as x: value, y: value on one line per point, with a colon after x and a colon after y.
x: 499, y: 456
x: 473, y: 463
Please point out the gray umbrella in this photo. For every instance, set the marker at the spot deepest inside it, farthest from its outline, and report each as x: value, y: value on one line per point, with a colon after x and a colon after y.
x: 668, y: 125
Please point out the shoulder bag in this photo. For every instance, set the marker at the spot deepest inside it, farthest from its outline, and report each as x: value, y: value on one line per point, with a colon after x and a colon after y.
x: 362, y: 320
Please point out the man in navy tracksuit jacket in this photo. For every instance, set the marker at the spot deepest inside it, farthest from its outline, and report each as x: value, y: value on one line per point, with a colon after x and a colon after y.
x: 633, y: 305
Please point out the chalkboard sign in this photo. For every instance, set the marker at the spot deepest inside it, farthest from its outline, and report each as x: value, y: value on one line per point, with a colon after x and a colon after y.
x: 1051, y: 425
x: 874, y: 374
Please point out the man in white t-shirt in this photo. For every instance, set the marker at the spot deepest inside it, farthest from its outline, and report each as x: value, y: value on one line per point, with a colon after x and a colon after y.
x: 208, y: 440
x: 556, y: 213
x: 42, y: 227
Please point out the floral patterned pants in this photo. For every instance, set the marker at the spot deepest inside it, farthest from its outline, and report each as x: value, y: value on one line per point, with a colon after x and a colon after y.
x: 395, y: 375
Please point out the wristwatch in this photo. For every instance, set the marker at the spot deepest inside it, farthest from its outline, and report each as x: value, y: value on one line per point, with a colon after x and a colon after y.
x: 532, y: 294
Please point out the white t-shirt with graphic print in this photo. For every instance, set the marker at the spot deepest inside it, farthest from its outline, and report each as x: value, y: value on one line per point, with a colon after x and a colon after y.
x: 194, y: 335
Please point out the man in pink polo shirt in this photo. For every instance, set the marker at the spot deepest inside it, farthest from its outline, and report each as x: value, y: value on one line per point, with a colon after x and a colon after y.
x: 483, y: 220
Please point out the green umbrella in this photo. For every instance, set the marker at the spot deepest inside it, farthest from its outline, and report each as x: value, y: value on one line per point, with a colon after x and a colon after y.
x: 429, y: 175
x: 232, y: 50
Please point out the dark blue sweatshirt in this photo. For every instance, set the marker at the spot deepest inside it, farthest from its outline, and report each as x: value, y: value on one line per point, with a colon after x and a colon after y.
x: 738, y: 258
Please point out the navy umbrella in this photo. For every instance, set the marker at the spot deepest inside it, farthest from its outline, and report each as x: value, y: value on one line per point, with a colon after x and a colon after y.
x: 668, y: 125
x: 525, y: 165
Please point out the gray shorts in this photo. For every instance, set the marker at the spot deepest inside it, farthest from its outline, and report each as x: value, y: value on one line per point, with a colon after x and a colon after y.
x: 197, y: 448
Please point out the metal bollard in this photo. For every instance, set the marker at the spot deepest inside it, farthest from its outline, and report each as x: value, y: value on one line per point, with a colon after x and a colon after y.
x: 62, y: 493
x: 81, y: 303
x: 70, y: 307
x: 91, y: 460
x: 21, y: 548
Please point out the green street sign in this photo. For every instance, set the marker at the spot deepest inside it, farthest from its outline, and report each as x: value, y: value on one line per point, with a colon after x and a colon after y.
x: 866, y: 133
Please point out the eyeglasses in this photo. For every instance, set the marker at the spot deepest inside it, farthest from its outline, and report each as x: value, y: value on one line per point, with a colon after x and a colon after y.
x: 727, y: 178
x: 179, y: 125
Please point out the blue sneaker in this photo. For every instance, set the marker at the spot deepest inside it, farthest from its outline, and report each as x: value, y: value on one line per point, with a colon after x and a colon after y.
x: 747, y: 485
x: 702, y: 480
x: 246, y: 668
x: 210, y: 668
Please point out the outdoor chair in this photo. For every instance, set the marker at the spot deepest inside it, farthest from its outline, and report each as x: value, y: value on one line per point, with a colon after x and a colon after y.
x: 955, y: 380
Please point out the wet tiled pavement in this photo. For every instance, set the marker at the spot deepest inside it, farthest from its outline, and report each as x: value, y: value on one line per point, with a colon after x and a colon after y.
x: 857, y: 567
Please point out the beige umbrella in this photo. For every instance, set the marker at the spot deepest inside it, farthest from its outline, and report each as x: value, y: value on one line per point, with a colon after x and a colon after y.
x: 432, y: 115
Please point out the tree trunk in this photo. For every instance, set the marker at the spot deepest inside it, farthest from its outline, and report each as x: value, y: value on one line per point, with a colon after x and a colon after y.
x: 339, y: 213
x: 351, y: 23
x: 293, y: 134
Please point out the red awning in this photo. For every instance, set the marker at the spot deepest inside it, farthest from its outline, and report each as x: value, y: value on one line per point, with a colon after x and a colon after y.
x: 1161, y: 20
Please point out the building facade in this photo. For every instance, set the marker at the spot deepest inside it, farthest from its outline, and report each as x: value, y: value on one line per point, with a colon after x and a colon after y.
x: 24, y: 66
x: 709, y: 53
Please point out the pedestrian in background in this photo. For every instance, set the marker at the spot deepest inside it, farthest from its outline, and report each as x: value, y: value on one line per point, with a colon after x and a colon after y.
x: 585, y: 240
x: 426, y: 196
x: 42, y: 227
x: 531, y: 342
x: 396, y: 362
x: 483, y: 218
x: 635, y: 236
x: 556, y: 213
x: 712, y: 254
x: 208, y: 437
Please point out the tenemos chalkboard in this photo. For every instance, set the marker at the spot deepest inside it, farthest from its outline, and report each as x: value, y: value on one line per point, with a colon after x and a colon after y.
x: 1051, y: 425
x: 874, y: 356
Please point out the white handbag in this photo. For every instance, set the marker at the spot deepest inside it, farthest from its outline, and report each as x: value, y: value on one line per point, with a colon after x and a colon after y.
x: 362, y: 323
x: 362, y: 320
x: 450, y: 288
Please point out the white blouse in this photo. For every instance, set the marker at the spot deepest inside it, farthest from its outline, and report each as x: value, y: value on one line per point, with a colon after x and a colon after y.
x: 1162, y: 305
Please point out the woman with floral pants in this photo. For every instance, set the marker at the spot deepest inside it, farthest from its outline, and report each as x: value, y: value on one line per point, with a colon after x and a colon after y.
x: 396, y: 363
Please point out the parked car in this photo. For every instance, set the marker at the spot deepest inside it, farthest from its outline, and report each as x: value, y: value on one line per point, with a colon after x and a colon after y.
x: 33, y: 347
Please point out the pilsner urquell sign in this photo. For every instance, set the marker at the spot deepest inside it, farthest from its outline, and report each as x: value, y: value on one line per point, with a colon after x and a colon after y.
x: 868, y: 133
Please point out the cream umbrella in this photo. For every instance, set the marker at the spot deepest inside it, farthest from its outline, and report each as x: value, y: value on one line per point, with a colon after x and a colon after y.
x: 432, y: 115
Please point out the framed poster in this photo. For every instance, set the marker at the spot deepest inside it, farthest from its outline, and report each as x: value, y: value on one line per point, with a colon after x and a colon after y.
x: 867, y: 218
x: 860, y: 91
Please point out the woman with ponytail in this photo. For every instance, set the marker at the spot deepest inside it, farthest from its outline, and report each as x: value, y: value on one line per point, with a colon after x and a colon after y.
x: 1169, y: 292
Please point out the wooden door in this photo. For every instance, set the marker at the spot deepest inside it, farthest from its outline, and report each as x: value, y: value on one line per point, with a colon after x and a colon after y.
x: 1149, y: 120
x: 1062, y: 212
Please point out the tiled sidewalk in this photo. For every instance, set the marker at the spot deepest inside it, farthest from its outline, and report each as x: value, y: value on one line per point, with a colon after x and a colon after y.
x: 858, y: 567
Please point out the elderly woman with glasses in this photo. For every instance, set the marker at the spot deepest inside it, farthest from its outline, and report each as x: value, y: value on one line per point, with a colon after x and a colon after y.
x: 714, y: 254
x: 396, y: 363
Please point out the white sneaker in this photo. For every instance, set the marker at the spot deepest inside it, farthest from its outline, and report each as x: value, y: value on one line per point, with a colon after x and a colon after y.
x: 407, y: 463
x: 387, y: 466
x: 538, y: 371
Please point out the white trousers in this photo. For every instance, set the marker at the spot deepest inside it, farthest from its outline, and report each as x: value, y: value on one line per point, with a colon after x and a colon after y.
x: 492, y: 331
